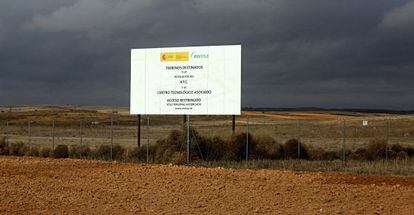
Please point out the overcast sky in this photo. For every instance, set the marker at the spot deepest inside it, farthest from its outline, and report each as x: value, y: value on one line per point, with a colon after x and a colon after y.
x: 320, y: 53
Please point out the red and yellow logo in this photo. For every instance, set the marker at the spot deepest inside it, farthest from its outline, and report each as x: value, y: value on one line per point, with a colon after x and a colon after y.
x: 174, y: 56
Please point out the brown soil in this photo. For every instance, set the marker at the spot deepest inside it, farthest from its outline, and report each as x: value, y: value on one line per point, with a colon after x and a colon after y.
x: 34, y: 185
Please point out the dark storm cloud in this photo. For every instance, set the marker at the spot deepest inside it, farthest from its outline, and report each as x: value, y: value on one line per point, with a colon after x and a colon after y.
x: 296, y: 53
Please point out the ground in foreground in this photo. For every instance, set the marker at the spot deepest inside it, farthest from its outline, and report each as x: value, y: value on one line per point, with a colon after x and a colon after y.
x: 34, y: 185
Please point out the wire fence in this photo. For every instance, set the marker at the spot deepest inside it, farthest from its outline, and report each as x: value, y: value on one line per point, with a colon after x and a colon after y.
x: 330, y: 135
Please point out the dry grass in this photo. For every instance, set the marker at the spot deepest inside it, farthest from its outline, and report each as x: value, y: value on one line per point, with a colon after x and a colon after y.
x: 393, y: 167
x: 316, y: 130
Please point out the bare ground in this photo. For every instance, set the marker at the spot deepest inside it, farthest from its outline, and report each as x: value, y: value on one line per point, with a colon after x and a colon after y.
x: 35, y: 185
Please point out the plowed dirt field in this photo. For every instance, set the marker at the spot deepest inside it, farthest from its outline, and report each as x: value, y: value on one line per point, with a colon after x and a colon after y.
x: 35, y: 185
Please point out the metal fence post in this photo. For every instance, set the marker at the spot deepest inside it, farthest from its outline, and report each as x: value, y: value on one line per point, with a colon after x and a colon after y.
x: 247, y: 138
x: 29, y: 130
x: 81, y: 137
x: 53, y: 135
x: 298, y: 130
x: 188, y: 138
x: 112, y: 136
x: 7, y: 132
x: 387, y: 139
x: 343, y: 140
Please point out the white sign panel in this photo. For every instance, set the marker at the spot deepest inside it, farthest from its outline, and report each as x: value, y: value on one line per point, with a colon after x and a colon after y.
x: 365, y: 122
x: 201, y: 80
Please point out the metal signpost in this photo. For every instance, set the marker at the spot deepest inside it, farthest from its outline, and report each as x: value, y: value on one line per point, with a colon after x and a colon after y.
x: 139, y: 131
x: 233, y: 124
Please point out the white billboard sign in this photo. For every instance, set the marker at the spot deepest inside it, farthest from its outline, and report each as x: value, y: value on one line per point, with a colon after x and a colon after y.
x: 198, y: 80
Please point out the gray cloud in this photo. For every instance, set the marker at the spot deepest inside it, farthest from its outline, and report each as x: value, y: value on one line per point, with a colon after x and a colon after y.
x: 400, y: 18
x: 296, y: 53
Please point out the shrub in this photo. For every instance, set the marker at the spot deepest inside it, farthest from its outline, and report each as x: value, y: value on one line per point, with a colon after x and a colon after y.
x: 321, y: 154
x: 175, y: 139
x: 267, y: 148
x: 4, y: 149
x: 402, y: 155
x: 171, y: 148
x: 118, y: 152
x: 16, y: 149
x: 237, y: 147
x: 137, y: 154
x: 397, y: 148
x: 359, y: 154
x: 290, y: 150
x: 376, y: 149
x: 79, y: 151
x: 214, y: 148
x: 45, y: 152
x: 61, y: 151
x: 104, y: 152
x: 179, y: 158
x: 163, y: 150
x: 410, y: 151
x: 30, y: 151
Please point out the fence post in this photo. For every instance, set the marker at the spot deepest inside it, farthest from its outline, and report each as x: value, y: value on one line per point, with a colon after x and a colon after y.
x: 247, y: 138
x: 343, y: 140
x: 148, y: 123
x: 81, y: 138
x: 29, y: 130
x: 53, y: 135
x: 387, y: 139
x: 7, y: 132
x: 298, y: 130
x: 188, y: 138
x: 112, y: 136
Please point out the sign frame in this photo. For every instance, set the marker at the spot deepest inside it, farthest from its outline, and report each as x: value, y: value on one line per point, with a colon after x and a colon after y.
x: 191, y: 80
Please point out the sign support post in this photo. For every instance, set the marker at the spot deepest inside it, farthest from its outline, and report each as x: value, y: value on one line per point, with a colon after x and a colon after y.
x: 233, y: 124
x: 139, y: 131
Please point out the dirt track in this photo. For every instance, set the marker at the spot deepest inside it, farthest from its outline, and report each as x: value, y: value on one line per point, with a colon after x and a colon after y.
x: 33, y: 185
